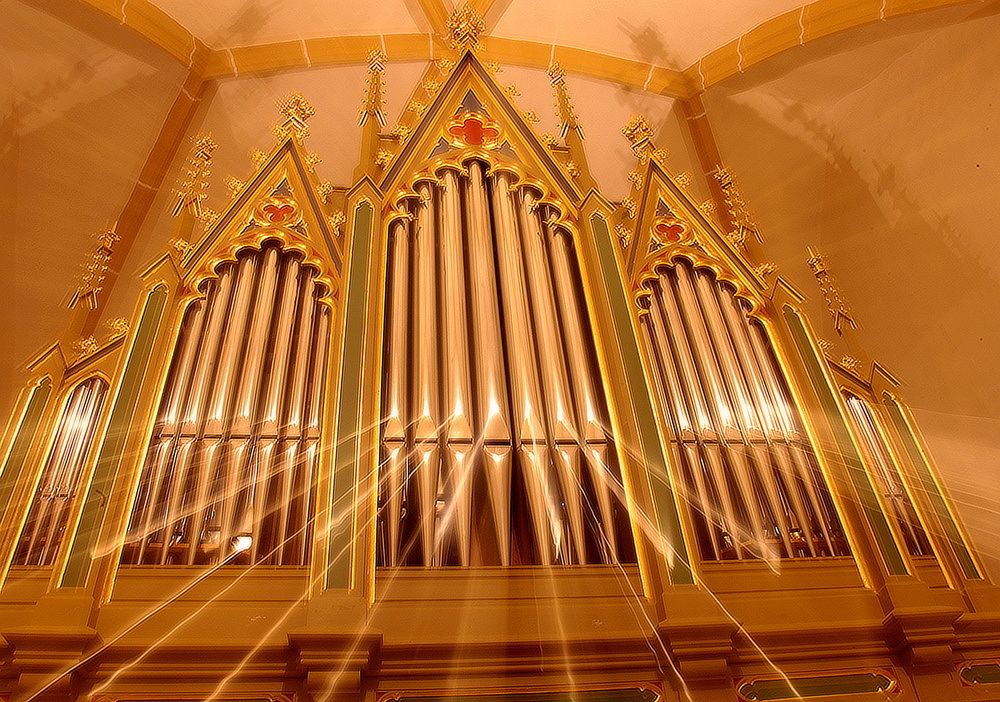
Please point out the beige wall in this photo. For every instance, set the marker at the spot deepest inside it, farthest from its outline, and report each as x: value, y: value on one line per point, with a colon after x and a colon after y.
x: 78, y: 115
x: 885, y: 157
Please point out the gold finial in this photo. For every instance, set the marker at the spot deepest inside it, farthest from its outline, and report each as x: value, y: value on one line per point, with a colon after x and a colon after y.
x: 765, y: 269
x: 640, y: 135
x: 85, y: 347
x: 258, y: 157
x: 96, y: 269
x: 400, y: 132
x: 374, y: 89
x: 337, y: 220
x: 117, y: 327
x: 831, y: 293
x: 191, y: 192
x: 297, y: 112
x: 628, y: 204
x: 235, y: 185
x: 383, y: 158
x: 744, y: 225
x: 464, y: 27
x: 851, y: 363
x: 624, y: 235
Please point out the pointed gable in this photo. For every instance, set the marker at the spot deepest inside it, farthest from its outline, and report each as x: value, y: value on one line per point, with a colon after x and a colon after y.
x: 282, y: 200
x: 470, y: 113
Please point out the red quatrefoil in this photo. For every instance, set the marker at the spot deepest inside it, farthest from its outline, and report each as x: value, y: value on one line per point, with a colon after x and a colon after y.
x: 277, y: 213
x: 473, y: 131
x: 669, y: 233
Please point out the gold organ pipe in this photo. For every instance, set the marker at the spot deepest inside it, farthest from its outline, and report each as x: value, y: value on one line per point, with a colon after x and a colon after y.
x: 317, y: 378
x: 186, y: 467
x: 496, y: 465
x: 277, y: 382
x: 571, y: 314
x: 217, y: 307
x: 396, y: 415
x: 304, y: 337
x: 425, y: 359
x: 180, y: 382
x: 55, y: 484
x: 527, y: 410
x: 720, y: 404
x: 303, y: 492
x: 703, y: 356
x: 555, y: 382
x: 161, y: 454
x: 225, y: 385
x: 743, y: 409
x: 670, y: 318
x: 396, y: 370
x: 425, y: 382
x: 492, y: 401
x: 256, y: 345
x: 457, y: 395
x: 212, y: 454
x: 545, y: 520
x: 525, y: 393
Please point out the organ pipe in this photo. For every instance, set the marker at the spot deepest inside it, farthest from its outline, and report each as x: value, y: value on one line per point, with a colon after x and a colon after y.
x: 887, y: 477
x: 62, y: 472
x: 229, y: 470
x: 516, y: 467
x: 745, y: 466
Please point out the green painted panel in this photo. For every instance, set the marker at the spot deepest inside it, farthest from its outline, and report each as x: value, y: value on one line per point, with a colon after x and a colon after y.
x: 817, y: 686
x: 119, y: 427
x: 930, y: 488
x: 982, y: 674
x: 21, y: 444
x: 338, y: 573
x: 663, y: 489
x: 870, y: 506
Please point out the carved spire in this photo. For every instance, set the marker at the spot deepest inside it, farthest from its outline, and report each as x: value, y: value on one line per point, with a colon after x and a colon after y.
x: 743, y: 223
x: 570, y: 130
x: 831, y: 293
x: 191, y: 193
x: 464, y: 27
x: 297, y: 112
x: 374, y: 90
x: 94, y: 272
x: 564, y: 107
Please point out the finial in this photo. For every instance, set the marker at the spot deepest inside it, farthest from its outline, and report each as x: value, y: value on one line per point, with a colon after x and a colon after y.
x: 297, y: 112
x: 564, y: 107
x: 831, y: 293
x: 374, y: 97
x: 640, y: 134
x: 94, y: 272
x: 743, y: 222
x: 191, y: 192
x: 464, y: 27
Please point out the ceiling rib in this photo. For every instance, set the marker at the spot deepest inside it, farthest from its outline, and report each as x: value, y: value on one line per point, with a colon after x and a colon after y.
x: 786, y: 31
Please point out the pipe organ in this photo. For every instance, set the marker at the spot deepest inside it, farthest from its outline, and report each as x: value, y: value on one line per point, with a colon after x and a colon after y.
x: 496, y: 447
x: 887, y: 476
x: 53, y: 499
x: 748, y: 470
x: 558, y: 455
x: 230, y: 468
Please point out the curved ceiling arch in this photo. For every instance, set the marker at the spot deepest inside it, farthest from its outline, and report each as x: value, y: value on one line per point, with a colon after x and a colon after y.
x: 788, y: 30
